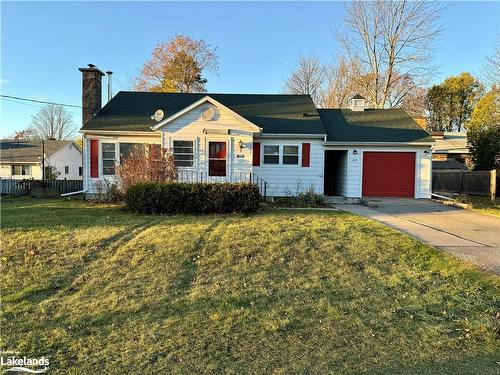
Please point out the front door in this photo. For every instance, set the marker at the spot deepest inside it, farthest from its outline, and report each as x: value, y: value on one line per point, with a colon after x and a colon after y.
x: 216, y: 158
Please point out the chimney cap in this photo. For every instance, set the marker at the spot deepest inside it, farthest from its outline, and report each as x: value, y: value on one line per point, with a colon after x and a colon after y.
x: 109, y: 72
x: 91, y: 68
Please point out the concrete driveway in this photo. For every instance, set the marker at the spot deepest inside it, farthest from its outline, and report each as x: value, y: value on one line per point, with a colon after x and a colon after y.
x: 467, y: 235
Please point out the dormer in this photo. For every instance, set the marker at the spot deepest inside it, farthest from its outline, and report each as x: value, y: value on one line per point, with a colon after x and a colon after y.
x: 357, y: 103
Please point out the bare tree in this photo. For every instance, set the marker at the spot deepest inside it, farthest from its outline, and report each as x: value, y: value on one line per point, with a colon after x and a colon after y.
x: 388, y: 41
x: 307, y: 78
x: 177, y: 65
x: 491, y: 67
x: 52, y: 122
x: 339, y: 86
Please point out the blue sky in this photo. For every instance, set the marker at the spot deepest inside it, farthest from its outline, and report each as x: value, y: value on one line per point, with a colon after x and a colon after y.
x: 43, y: 44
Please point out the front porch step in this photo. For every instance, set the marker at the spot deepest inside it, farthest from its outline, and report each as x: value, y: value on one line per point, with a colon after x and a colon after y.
x: 336, y: 199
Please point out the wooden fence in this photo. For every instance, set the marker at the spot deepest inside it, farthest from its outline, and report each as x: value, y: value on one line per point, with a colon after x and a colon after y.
x: 465, y: 182
x: 25, y: 187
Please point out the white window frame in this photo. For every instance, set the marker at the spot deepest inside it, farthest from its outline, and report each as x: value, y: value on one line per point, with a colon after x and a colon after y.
x: 103, y: 159
x: 283, y: 155
x: 273, y: 154
x: 193, y: 153
x: 22, y: 169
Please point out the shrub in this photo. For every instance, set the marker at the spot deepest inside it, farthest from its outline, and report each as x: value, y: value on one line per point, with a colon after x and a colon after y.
x: 146, y: 163
x: 308, y: 198
x: 197, y: 198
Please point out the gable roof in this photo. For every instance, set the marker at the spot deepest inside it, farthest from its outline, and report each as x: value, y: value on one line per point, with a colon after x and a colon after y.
x: 372, y: 125
x: 214, y: 102
x: 274, y: 113
x: 22, y: 151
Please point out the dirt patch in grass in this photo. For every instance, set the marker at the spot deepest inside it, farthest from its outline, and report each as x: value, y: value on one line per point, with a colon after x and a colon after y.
x: 103, y: 291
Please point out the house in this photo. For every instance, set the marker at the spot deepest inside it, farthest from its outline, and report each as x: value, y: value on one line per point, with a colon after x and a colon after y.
x: 450, y: 150
x: 283, y: 140
x: 22, y: 159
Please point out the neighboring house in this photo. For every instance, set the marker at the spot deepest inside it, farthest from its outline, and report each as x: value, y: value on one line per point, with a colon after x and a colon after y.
x: 21, y: 159
x: 281, y: 139
x: 450, y: 150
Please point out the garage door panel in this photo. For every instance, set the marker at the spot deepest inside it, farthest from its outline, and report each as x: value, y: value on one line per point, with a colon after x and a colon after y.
x: 389, y: 174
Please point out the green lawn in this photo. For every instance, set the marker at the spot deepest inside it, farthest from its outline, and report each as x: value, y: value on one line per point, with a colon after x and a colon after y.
x: 102, y: 291
x: 482, y: 204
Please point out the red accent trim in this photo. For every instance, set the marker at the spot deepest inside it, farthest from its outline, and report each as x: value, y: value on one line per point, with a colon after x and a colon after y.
x: 389, y: 174
x: 306, y: 154
x: 94, y: 158
x: 256, y: 154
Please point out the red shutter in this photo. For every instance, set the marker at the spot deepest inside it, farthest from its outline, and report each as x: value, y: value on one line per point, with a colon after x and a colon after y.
x: 94, y: 158
x: 306, y: 154
x: 256, y: 154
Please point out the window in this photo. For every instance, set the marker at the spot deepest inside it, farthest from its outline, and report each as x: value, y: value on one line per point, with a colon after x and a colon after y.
x: 108, y: 159
x: 80, y: 171
x: 21, y: 170
x: 290, y: 154
x: 66, y: 170
x: 271, y: 154
x: 127, y: 148
x: 183, y: 153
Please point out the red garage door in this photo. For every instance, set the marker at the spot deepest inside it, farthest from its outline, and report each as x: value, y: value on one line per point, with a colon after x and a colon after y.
x: 389, y: 174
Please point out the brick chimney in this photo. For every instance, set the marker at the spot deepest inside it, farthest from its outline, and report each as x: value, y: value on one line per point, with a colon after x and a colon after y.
x: 91, y: 92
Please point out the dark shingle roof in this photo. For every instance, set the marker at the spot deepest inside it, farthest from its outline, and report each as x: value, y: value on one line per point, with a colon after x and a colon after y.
x: 371, y: 125
x: 357, y: 96
x: 448, y: 164
x: 12, y: 151
x: 131, y: 111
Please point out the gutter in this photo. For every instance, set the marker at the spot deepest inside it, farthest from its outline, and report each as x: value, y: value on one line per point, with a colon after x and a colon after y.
x: 74, y: 193
x: 291, y: 136
x: 330, y: 143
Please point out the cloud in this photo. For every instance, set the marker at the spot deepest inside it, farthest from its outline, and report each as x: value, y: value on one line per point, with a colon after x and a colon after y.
x: 4, y: 81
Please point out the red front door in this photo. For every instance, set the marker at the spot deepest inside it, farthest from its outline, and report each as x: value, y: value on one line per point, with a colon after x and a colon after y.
x: 216, y: 158
x: 389, y: 174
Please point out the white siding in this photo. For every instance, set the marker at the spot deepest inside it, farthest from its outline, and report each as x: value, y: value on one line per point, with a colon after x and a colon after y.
x: 6, y: 170
x: 355, y: 168
x: 69, y: 156
x: 285, y: 180
x: 191, y: 126
x: 93, y: 185
x: 341, y: 180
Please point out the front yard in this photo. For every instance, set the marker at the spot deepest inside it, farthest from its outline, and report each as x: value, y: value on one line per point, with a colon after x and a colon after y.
x: 284, y: 292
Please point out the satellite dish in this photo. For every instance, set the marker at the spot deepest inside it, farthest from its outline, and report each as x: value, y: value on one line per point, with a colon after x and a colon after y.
x: 208, y: 114
x: 158, y: 116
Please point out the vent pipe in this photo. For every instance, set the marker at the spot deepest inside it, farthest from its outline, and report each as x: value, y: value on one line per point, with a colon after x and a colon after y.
x: 110, y: 93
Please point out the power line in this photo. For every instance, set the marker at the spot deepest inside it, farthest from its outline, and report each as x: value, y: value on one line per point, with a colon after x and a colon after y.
x: 39, y: 101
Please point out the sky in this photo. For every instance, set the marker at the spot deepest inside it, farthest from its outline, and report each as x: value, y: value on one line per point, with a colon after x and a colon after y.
x: 258, y: 43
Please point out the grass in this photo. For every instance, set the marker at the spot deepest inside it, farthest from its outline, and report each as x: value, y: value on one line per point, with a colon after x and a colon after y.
x: 103, y: 291
x: 481, y: 204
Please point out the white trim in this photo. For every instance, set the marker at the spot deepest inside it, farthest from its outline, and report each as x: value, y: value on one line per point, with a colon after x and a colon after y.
x: 270, y: 135
x: 119, y: 132
x: 362, y: 144
x: 201, y: 101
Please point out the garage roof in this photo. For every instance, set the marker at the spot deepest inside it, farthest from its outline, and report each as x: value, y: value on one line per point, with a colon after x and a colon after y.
x: 372, y: 125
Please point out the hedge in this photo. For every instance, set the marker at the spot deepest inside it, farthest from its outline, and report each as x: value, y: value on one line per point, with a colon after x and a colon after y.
x: 197, y: 198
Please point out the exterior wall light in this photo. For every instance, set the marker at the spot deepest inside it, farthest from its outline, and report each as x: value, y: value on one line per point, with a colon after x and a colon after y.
x: 241, y: 144
x: 355, y: 152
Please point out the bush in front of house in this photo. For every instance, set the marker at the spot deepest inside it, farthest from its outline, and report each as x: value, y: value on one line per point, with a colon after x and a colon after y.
x: 192, y: 198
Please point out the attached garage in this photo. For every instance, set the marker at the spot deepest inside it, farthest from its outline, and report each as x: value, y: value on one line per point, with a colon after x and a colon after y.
x: 388, y: 174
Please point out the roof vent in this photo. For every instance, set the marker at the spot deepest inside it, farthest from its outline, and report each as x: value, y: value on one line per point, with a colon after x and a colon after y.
x: 208, y: 114
x: 357, y: 103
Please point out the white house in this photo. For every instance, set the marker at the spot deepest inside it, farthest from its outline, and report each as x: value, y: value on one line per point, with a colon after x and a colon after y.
x: 281, y: 140
x: 21, y: 159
